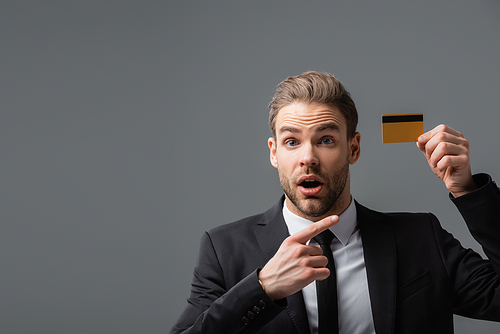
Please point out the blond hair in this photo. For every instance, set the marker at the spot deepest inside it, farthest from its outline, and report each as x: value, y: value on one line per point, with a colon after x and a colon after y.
x: 314, y: 87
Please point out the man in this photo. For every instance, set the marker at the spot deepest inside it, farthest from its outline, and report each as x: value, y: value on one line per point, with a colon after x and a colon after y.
x: 395, y: 273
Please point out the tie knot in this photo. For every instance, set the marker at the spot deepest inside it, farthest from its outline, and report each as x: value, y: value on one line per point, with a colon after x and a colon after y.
x: 324, y: 238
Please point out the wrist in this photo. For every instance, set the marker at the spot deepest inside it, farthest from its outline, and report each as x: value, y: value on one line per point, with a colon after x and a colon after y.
x: 265, y: 286
x: 262, y: 285
x: 464, y: 190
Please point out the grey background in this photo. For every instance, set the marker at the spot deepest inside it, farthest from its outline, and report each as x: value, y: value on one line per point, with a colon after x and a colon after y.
x: 129, y: 128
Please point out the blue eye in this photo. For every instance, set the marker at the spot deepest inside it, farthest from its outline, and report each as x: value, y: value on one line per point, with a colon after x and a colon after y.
x: 291, y: 142
x: 327, y: 141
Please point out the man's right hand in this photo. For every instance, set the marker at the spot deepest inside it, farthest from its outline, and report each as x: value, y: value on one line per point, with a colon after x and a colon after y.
x: 295, y: 264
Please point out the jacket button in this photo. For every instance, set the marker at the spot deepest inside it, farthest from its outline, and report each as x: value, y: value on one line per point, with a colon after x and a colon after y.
x: 245, y: 320
x: 250, y: 314
x: 262, y: 304
x: 256, y: 309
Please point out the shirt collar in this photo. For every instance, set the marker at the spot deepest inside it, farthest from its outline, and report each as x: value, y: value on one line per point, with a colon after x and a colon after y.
x: 342, y: 230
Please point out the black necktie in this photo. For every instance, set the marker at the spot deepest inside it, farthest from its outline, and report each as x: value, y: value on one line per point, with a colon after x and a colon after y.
x: 327, y: 289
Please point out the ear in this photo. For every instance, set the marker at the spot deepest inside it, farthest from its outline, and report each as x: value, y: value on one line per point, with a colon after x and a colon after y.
x: 271, y: 142
x: 354, y: 148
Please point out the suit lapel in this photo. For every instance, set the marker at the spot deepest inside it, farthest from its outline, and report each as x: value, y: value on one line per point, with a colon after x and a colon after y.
x: 270, y: 233
x: 379, y: 249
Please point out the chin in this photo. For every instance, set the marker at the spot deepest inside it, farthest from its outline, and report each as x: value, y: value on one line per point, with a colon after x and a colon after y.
x: 313, y: 208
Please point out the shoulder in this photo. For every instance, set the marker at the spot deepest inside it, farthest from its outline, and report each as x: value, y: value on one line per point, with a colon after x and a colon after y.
x: 411, y: 233
x: 239, y: 226
x: 391, y: 217
x: 399, y: 222
x: 249, y: 224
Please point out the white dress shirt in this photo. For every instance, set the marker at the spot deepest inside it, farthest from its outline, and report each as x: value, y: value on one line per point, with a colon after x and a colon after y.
x: 355, y: 313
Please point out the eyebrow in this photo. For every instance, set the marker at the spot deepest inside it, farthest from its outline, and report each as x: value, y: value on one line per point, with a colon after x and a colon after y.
x: 288, y: 129
x: 327, y: 126
x: 318, y: 128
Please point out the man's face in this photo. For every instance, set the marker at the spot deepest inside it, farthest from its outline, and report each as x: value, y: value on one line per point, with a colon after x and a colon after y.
x: 312, y: 154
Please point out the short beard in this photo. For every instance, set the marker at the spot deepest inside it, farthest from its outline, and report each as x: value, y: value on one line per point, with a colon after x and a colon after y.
x: 330, y: 203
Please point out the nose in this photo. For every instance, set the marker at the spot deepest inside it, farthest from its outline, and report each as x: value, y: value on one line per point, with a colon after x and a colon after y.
x: 308, y: 158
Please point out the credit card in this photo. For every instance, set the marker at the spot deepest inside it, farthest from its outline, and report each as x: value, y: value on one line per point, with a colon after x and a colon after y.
x: 402, y: 128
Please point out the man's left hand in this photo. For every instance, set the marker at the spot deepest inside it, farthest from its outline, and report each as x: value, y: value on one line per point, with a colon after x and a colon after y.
x: 447, y: 152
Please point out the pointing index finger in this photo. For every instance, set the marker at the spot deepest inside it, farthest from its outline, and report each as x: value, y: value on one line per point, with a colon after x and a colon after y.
x: 314, y: 229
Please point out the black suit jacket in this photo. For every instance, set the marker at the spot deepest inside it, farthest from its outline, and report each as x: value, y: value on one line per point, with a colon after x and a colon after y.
x: 418, y: 274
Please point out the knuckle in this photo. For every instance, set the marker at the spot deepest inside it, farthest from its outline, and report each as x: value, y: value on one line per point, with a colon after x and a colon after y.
x: 462, y: 159
x: 323, y: 274
x: 298, y: 252
x: 304, y: 262
x: 443, y: 146
x: 441, y: 136
x: 307, y: 273
x: 446, y: 160
x: 313, y: 228
x: 465, y: 143
x: 442, y: 127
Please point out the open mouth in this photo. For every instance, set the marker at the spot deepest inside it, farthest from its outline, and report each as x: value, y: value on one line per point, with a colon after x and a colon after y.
x: 308, y: 184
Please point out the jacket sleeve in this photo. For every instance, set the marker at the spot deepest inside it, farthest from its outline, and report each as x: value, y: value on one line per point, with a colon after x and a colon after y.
x: 214, y: 307
x: 477, y: 281
x: 481, y: 211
